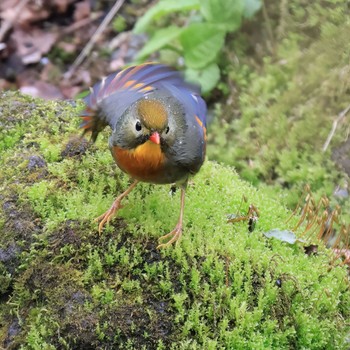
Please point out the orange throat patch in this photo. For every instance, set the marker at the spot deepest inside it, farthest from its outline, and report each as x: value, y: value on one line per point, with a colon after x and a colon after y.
x: 143, y: 163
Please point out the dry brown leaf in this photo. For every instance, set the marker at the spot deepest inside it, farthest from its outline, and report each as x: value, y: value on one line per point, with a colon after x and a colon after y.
x: 67, y: 47
x: 116, y: 64
x: 32, y: 45
x: 34, y: 11
x: 61, y: 5
x: 82, y: 10
x: 28, y: 14
x: 42, y: 89
x: 70, y: 92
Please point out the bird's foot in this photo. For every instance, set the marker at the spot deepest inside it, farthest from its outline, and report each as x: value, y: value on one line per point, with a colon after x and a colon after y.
x: 106, y: 217
x: 175, y: 235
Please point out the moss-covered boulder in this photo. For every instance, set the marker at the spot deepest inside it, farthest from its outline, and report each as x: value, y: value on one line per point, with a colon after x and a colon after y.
x: 62, y: 286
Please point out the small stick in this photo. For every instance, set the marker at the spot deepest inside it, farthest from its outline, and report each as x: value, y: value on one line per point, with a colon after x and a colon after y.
x: 118, y: 4
x: 82, y: 23
x: 341, y: 115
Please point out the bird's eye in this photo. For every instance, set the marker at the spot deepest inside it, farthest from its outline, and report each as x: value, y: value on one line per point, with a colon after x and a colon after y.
x: 167, y: 130
x: 138, y: 126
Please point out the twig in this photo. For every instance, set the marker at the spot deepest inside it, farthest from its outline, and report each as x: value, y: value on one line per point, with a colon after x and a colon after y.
x: 118, y: 4
x: 82, y: 23
x: 341, y: 116
x: 7, y: 25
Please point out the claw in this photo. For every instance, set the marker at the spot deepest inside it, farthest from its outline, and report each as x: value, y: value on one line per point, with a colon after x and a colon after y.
x: 176, y: 234
x: 106, y: 217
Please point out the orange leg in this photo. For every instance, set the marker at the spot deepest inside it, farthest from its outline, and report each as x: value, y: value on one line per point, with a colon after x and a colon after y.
x: 104, y: 218
x: 176, y: 233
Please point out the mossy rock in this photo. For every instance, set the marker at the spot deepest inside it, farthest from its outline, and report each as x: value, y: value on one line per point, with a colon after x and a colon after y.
x: 222, y: 287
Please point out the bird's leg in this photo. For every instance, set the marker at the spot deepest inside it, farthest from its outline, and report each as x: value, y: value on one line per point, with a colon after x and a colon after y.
x: 104, y: 218
x: 176, y: 233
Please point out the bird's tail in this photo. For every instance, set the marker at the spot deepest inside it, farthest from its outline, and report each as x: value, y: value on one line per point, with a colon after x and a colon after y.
x: 91, y: 120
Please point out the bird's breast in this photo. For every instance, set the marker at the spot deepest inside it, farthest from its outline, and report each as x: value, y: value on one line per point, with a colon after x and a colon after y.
x: 144, y: 163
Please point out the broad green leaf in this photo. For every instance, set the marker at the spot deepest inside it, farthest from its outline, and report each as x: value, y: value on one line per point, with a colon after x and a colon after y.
x: 201, y: 43
x: 163, y: 8
x: 226, y: 12
x: 251, y: 7
x: 207, y: 77
x: 160, y: 39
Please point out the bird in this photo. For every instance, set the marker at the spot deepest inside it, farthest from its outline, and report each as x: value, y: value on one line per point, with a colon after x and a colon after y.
x: 158, y: 123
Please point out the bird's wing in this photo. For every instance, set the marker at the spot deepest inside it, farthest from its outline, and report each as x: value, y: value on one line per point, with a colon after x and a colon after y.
x: 110, y: 98
x: 195, y: 106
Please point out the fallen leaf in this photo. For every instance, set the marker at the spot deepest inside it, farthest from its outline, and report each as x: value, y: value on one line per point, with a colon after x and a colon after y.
x: 60, y: 5
x: 116, y: 64
x: 82, y: 10
x: 67, y: 47
x: 33, y: 44
x: 43, y: 90
x: 70, y: 92
x: 343, y: 252
x: 30, y: 13
x: 282, y: 235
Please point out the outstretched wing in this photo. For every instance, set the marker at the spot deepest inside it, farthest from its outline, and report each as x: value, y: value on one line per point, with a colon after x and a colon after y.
x: 110, y: 97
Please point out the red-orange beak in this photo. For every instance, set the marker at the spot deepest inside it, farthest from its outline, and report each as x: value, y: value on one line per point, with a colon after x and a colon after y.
x: 155, y: 138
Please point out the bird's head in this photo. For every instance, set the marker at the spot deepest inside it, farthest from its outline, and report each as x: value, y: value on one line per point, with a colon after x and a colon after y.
x: 147, y: 120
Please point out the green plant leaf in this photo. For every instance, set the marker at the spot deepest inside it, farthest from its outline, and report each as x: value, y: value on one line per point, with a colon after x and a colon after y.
x: 201, y: 43
x: 163, y: 8
x: 226, y: 12
x: 251, y: 7
x: 160, y: 39
x: 206, y: 77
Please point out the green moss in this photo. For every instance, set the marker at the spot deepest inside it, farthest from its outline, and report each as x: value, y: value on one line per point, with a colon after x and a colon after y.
x: 67, y: 287
x: 291, y: 81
